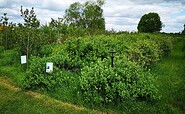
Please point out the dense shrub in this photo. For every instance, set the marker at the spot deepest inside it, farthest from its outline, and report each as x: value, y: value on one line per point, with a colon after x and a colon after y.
x: 144, y: 52
x: 46, y: 50
x: 37, y: 78
x: 165, y: 45
x: 102, y: 84
x: 1, y: 49
x: 89, y: 59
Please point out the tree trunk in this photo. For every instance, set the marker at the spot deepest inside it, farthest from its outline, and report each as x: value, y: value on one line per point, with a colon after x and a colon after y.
x: 6, y: 45
x: 27, y: 51
x: 58, y: 34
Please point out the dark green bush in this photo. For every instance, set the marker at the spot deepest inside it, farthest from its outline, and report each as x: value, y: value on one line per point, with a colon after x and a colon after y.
x: 165, y: 45
x: 46, y: 50
x: 1, y: 49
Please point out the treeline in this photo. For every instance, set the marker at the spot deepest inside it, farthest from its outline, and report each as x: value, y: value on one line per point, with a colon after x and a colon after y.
x: 29, y: 37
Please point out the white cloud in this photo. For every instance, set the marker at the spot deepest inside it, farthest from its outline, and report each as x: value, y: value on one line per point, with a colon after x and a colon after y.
x: 119, y: 14
x: 129, y: 13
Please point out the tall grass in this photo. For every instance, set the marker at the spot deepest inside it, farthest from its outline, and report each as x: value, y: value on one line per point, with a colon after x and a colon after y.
x: 171, y: 81
x: 10, y: 65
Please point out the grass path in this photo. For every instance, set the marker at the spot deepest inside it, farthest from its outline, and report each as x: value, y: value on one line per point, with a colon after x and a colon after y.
x: 171, y: 80
x: 15, y: 101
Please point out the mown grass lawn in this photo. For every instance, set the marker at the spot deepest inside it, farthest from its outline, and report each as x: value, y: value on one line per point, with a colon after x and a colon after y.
x: 13, y: 100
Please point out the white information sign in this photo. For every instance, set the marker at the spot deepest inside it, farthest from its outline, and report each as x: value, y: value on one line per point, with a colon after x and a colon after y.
x: 49, y: 67
x: 23, y: 59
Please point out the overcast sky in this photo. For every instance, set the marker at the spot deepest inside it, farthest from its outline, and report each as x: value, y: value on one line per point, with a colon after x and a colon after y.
x: 119, y: 14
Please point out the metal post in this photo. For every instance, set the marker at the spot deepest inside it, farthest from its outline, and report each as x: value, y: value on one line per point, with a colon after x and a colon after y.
x: 112, y: 57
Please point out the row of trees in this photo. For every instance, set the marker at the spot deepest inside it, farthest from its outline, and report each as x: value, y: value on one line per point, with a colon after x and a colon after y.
x: 30, y: 36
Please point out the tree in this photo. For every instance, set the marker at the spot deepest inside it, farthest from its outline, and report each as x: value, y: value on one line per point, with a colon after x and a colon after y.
x: 30, y: 18
x: 93, y: 14
x: 7, y: 28
x: 150, y: 23
x: 4, y: 21
x: 28, y: 32
x: 47, y: 34
x: 87, y: 16
x: 73, y: 15
x: 183, y: 32
x: 56, y: 25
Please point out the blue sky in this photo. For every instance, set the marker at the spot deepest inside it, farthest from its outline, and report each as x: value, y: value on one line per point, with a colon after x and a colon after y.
x: 119, y: 14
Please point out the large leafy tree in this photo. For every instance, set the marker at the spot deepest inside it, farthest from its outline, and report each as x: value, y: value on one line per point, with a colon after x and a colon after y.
x: 150, y: 23
x: 87, y: 16
x: 73, y: 15
x: 93, y: 14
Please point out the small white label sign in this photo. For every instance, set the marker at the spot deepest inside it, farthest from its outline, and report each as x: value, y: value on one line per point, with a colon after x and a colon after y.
x: 49, y: 67
x: 23, y: 59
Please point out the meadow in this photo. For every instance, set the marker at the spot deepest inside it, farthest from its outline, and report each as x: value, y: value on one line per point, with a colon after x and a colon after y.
x: 147, y: 77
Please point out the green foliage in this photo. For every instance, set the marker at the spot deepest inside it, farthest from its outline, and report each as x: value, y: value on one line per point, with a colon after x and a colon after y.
x: 48, y: 34
x: 102, y: 84
x: 46, y: 50
x: 30, y: 18
x: 169, y: 73
x: 144, y: 52
x: 36, y: 76
x: 10, y: 57
x: 4, y: 19
x: 82, y: 65
x: 150, y: 23
x: 7, y: 32
x: 95, y: 80
x: 165, y: 45
x: 89, y: 57
x: 87, y: 16
x: 29, y: 39
x: 1, y: 49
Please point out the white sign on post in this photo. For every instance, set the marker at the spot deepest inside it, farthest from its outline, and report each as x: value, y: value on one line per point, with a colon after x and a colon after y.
x: 49, y: 67
x: 23, y: 59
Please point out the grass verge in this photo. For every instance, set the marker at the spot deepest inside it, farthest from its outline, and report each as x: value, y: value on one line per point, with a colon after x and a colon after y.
x: 15, y: 101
